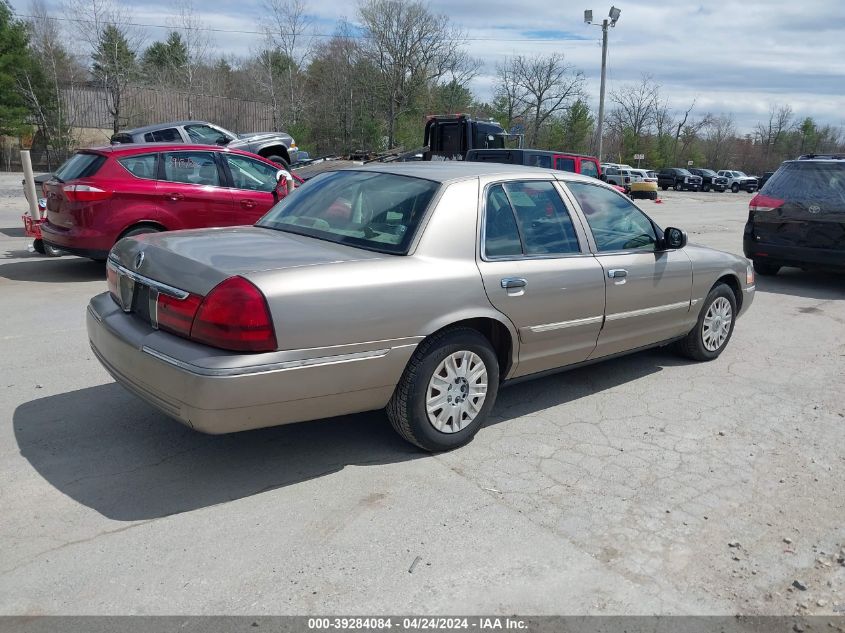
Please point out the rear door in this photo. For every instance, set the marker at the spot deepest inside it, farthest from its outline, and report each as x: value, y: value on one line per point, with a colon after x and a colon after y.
x: 807, y: 202
x: 253, y: 185
x: 192, y: 190
x: 648, y: 290
x: 538, y: 271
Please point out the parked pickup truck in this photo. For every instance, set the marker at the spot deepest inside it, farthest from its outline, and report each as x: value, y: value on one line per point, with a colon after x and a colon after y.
x: 678, y: 178
x: 710, y: 179
x: 738, y: 180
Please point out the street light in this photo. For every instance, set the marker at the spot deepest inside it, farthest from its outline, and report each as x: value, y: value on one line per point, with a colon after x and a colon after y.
x: 611, y: 20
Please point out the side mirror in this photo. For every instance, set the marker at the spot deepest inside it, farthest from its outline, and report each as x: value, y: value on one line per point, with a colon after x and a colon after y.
x: 674, y: 238
x: 222, y: 140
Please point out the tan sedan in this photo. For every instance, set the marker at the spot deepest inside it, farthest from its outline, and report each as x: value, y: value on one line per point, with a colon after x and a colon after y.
x: 416, y: 287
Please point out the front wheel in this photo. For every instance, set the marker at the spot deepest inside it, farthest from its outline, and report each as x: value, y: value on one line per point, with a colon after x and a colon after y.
x: 678, y: 186
x: 705, y: 188
x: 664, y: 187
x: 446, y: 391
x: 714, y: 327
x: 735, y: 188
x: 280, y: 161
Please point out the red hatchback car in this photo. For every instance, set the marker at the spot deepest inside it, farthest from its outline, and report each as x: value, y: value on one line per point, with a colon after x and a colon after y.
x: 104, y: 194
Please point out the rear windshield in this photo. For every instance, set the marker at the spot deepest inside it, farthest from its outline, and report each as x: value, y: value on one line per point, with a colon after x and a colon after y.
x: 808, y: 182
x: 80, y: 166
x: 376, y: 211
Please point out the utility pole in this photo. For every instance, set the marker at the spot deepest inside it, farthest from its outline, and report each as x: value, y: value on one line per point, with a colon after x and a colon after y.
x: 610, y: 21
x: 604, y: 25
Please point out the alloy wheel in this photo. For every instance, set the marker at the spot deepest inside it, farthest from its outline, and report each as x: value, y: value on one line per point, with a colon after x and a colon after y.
x: 456, y: 391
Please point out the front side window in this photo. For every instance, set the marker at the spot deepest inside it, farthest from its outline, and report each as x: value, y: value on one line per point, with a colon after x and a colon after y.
x: 373, y: 210
x: 589, y: 168
x: 193, y: 168
x: 616, y: 223
x: 539, y: 223
x: 140, y: 166
x: 251, y: 174
x: 205, y: 135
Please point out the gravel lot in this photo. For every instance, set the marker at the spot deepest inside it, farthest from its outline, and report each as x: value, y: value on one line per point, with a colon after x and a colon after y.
x: 643, y: 485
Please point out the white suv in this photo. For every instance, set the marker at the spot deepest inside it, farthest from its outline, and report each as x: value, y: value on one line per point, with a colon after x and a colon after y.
x: 738, y: 180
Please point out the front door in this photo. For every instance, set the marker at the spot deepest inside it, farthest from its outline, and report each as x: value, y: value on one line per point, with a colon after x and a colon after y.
x: 253, y: 186
x: 538, y: 271
x: 648, y: 290
x: 191, y: 190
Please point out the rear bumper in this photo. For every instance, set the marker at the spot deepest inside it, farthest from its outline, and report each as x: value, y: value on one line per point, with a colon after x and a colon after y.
x: 793, y: 255
x: 80, y: 242
x: 216, y: 392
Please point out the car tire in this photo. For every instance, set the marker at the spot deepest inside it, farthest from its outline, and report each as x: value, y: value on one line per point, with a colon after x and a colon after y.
x: 281, y: 162
x: 408, y: 407
x: 708, y: 339
x: 38, y: 246
x: 664, y: 187
x: 735, y: 188
x: 766, y: 269
x: 705, y: 188
x: 678, y: 186
x: 653, y: 195
x: 52, y: 251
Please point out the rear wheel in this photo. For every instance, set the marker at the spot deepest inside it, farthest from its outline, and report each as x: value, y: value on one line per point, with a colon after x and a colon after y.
x: 52, y: 251
x: 38, y: 245
x: 446, y: 391
x: 705, y: 188
x: 664, y: 187
x: 765, y: 269
x: 714, y: 327
x: 653, y: 195
x: 735, y: 188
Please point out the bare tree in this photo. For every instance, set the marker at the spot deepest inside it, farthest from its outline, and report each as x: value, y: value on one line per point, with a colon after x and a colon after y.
x: 197, y: 46
x: 291, y: 34
x: 549, y: 85
x: 770, y: 133
x: 509, y: 95
x: 410, y: 47
x: 636, y: 108
x: 105, y: 31
x: 719, y: 140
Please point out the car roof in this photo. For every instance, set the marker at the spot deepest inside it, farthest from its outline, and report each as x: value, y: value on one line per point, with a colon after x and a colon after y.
x: 449, y: 171
x: 161, y: 126
x: 122, y: 149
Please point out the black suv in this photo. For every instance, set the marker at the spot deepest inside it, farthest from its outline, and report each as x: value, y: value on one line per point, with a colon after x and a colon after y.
x: 798, y: 219
x: 677, y: 178
x: 710, y: 179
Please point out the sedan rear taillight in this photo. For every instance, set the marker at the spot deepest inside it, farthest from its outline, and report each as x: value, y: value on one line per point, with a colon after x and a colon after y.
x: 85, y: 193
x: 764, y: 203
x: 176, y: 315
x: 234, y: 316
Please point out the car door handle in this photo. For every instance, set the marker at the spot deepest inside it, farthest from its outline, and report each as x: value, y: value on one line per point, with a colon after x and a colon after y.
x: 513, y: 282
x: 248, y: 204
x: 617, y: 273
x: 174, y: 196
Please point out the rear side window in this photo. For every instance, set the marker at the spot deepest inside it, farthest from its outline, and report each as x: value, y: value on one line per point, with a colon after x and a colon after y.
x: 539, y: 223
x: 565, y: 164
x: 140, y: 166
x: 193, y: 168
x: 80, y: 166
x: 822, y: 182
x: 169, y: 135
x: 589, y: 168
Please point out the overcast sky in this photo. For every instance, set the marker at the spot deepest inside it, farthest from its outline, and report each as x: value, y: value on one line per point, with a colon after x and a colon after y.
x: 730, y: 56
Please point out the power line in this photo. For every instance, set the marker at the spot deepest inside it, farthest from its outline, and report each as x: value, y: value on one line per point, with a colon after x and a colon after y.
x: 171, y: 27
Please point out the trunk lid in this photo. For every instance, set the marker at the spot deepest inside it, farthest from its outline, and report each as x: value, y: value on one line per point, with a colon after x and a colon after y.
x: 198, y: 260
x: 64, y: 208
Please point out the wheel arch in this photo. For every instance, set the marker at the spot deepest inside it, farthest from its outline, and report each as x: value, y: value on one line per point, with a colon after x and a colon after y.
x: 139, y: 224
x: 732, y: 282
x: 276, y: 149
x: 502, y: 337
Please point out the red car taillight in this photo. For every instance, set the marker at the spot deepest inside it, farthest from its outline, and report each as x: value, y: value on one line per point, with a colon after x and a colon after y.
x: 85, y: 193
x: 177, y: 315
x: 235, y: 316
x: 764, y: 203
